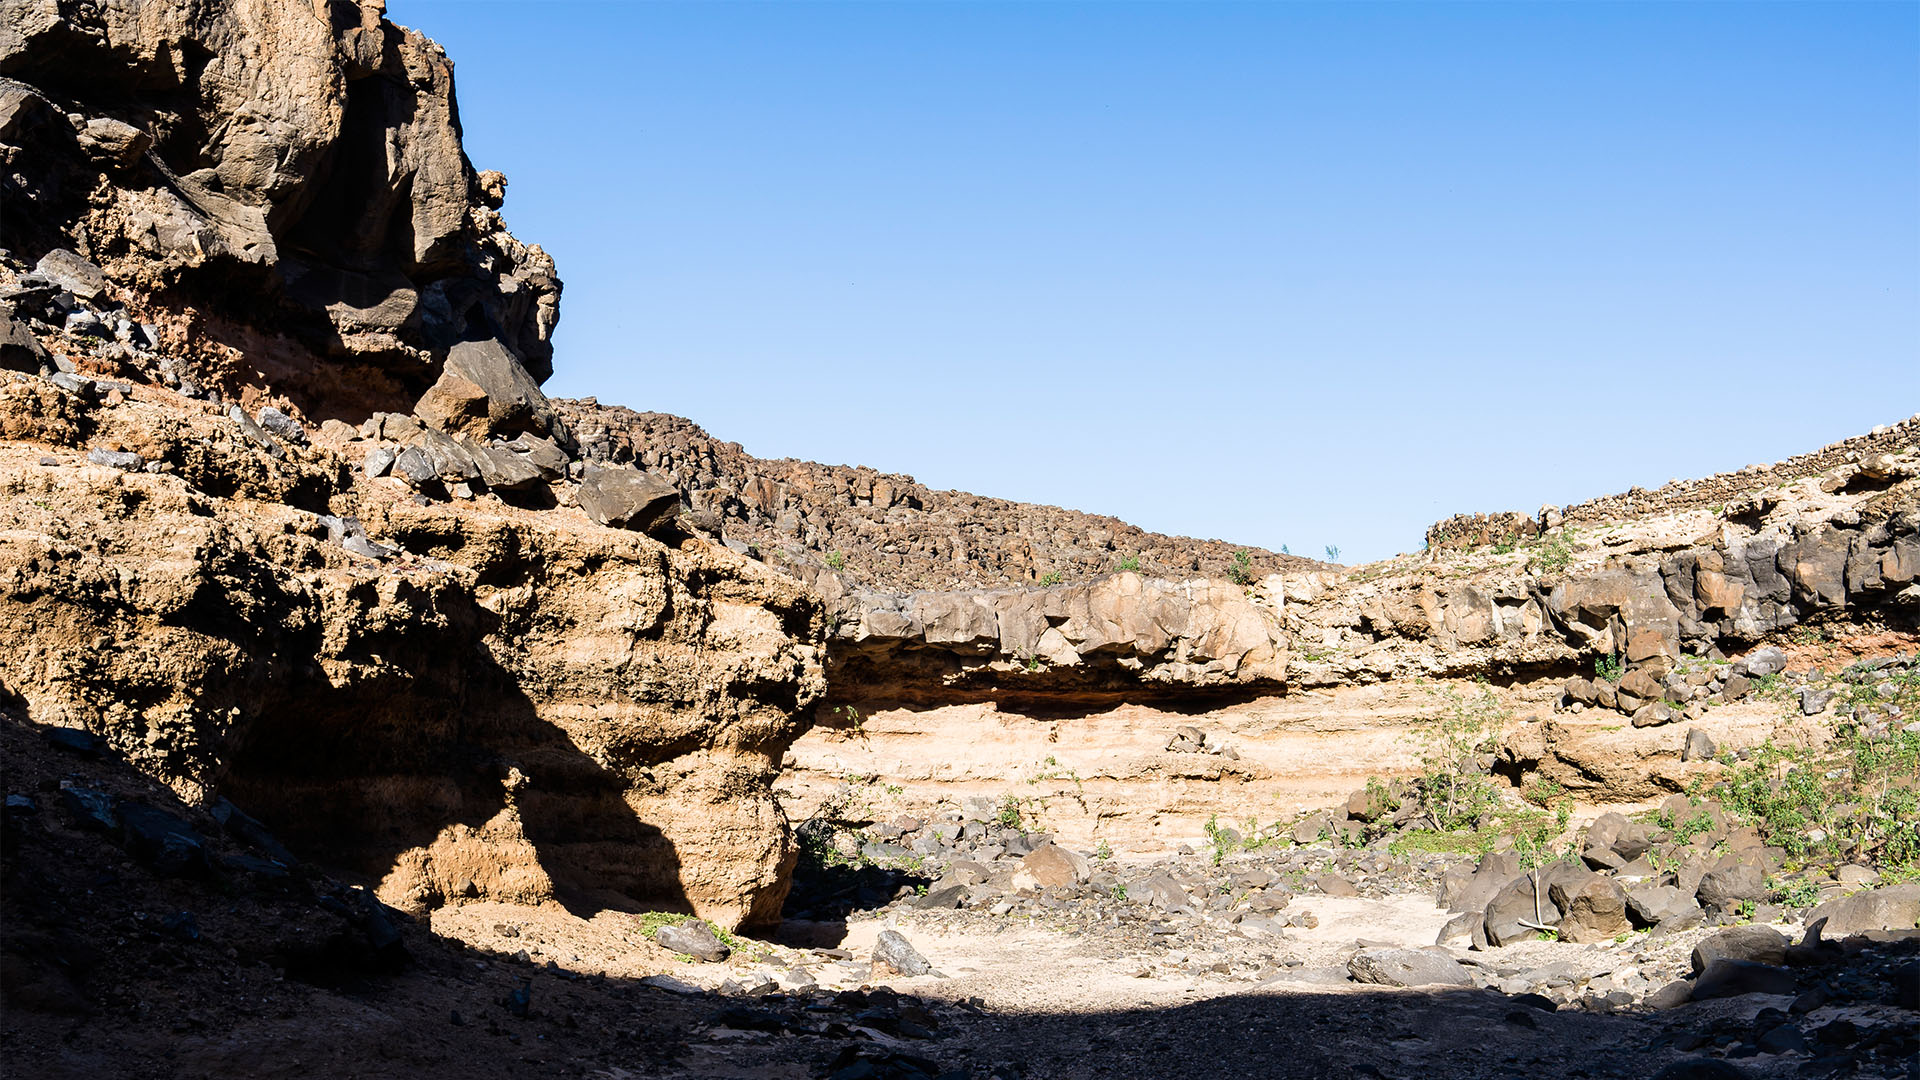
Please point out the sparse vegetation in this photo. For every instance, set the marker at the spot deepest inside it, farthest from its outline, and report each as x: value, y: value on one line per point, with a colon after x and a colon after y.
x: 1130, y: 564
x: 1853, y: 796
x: 836, y: 561
x: 1610, y: 667
x: 1333, y: 553
x: 1051, y: 578
x: 1453, y: 784
x: 852, y: 725
x: 1240, y: 572
x: 1554, y: 553
x: 1542, y: 792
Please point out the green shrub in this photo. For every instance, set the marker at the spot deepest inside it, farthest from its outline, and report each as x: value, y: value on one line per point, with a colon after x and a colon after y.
x: 1453, y: 786
x: 1853, y: 798
x: 1610, y: 667
x: 1051, y: 578
x: 1240, y: 572
x: 1554, y: 553
x: 1129, y: 564
x: 836, y: 561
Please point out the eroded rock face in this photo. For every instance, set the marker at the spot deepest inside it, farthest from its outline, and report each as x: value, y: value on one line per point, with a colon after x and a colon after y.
x: 1119, y: 634
x: 486, y: 703
x: 255, y: 167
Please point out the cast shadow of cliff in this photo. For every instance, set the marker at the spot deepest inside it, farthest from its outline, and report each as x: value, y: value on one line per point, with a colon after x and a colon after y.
x: 428, y: 738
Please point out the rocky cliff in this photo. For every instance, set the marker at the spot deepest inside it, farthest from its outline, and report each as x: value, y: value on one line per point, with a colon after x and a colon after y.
x: 263, y: 182
x: 430, y: 647
x: 482, y: 702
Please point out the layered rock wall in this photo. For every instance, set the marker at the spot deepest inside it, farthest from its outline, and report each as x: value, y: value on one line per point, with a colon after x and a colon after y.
x: 458, y: 700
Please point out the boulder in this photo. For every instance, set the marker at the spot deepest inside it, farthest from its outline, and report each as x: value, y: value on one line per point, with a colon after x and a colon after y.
x: 895, y: 952
x: 1643, y: 683
x: 1699, y: 746
x: 1651, y: 905
x: 1513, y: 914
x: 1760, y: 944
x: 112, y: 142
x: 543, y: 454
x: 1731, y: 978
x: 1335, y: 885
x: 1406, y: 967
x: 1593, y: 909
x: 1652, y: 714
x: 1488, y: 877
x: 1896, y: 907
x: 1466, y: 927
x: 72, y: 273
x: 1761, y: 662
x: 452, y: 462
x: 693, y: 938
x: 1162, y: 892
x: 504, y: 470
x: 455, y: 405
x: 19, y: 349
x: 1050, y: 866
x: 629, y: 499
x: 1702, y: 1068
x: 484, y: 390
x: 1737, y: 876
x: 159, y: 840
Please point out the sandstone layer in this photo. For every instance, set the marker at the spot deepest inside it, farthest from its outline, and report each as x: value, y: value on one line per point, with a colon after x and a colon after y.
x: 459, y: 701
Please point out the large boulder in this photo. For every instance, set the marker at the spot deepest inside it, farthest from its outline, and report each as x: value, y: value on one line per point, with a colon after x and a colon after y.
x: 1737, y: 876
x: 629, y: 499
x: 1760, y: 944
x: 1593, y: 909
x: 1406, y: 967
x: 19, y: 349
x: 1896, y: 907
x: 1049, y: 866
x: 1725, y: 977
x: 1524, y: 907
x: 483, y: 391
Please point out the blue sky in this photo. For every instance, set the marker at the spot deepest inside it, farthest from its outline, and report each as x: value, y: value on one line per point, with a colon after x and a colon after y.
x: 1278, y: 273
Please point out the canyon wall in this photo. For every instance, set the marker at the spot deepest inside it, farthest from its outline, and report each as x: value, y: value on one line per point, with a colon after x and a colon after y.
x: 270, y: 183
x: 288, y: 518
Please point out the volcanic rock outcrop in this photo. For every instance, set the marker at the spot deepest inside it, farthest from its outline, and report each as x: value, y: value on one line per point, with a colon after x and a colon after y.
x: 260, y: 180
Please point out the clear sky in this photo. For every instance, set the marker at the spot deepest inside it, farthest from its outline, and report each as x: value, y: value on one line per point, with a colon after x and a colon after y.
x: 1278, y: 273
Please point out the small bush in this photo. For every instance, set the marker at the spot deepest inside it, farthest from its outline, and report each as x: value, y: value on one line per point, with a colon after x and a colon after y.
x: 1051, y: 578
x: 1241, y: 570
x: 1129, y: 564
x: 1610, y: 667
x: 836, y: 561
x: 1553, y: 554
